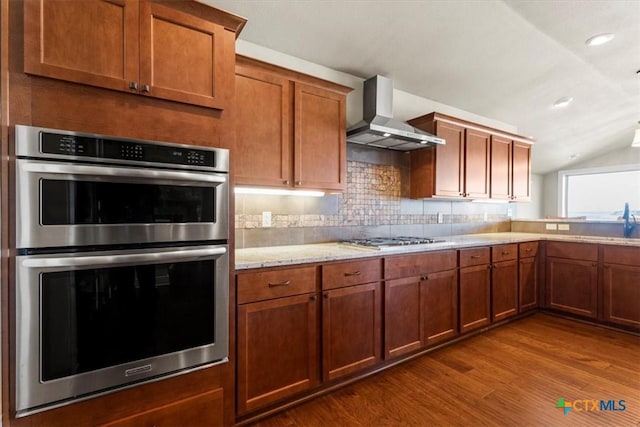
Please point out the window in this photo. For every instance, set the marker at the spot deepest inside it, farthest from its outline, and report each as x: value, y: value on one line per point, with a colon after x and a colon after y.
x: 599, y: 193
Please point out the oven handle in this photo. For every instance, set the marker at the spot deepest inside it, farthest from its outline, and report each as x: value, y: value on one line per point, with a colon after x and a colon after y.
x: 56, y: 168
x: 155, y: 257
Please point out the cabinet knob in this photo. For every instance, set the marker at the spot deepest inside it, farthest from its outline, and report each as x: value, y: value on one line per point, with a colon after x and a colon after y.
x: 285, y: 182
x: 313, y: 297
x: 133, y: 85
x: 326, y: 296
x: 424, y: 278
x: 146, y: 88
x: 505, y: 253
x: 298, y: 182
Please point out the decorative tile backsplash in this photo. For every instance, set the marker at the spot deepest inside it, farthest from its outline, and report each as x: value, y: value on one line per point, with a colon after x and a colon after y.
x: 371, y: 205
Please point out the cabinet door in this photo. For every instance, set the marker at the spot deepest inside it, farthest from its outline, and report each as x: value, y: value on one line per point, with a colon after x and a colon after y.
x: 320, y: 146
x: 263, y: 138
x: 500, y: 168
x: 504, y: 290
x: 572, y: 286
x: 521, y: 186
x: 92, y: 42
x: 402, y: 318
x: 185, y: 58
x: 476, y: 164
x: 621, y: 302
x: 351, y: 329
x: 439, y: 303
x: 277, y: 350
x: 449, y: 173
x: 204, y: 409
x: 528, y: 284
x: 475, y: 303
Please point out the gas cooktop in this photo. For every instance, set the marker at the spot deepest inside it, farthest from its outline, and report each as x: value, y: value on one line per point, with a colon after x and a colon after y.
x: 386, y: 243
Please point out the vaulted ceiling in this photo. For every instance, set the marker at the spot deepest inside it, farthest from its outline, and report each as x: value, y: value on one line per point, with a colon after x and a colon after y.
x: 505, y: 60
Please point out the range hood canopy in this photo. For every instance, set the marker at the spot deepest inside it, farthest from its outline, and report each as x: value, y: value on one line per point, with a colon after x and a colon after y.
x: 378, y: 128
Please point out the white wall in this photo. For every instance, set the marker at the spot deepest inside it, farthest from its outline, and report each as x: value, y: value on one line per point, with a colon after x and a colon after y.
x: 405, y: 105
x: 532, y: 209
x: 622, y: 156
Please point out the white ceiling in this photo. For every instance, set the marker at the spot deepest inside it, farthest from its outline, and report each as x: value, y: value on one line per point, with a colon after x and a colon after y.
x: 504, y: 60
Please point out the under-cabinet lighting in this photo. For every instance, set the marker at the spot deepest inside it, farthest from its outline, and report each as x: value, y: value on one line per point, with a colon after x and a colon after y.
x: 277, y: 192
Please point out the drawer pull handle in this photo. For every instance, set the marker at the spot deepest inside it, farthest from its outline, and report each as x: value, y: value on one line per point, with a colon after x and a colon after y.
x: 528, y: 250
x: 505, y: 253
x: 424, y: 278
x: 475, y: 256
x: 285, y: 283
x: 355, y: 273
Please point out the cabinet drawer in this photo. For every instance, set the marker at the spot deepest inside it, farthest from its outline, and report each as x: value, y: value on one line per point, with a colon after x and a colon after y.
x: 622, y: 255
x: 473, y: 256
x: 351, y: 273
x: 582, y: 251
x: 419, y: 264
x: 262, y: 285
x: 528, y: 249
x: 504, y: 252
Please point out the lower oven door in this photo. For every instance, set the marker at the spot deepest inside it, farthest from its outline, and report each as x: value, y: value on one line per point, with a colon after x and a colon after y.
x: 62, y: 204
x: 90, y: 322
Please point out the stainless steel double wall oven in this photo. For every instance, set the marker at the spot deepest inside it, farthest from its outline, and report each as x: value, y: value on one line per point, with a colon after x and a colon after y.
x: 122, y: 263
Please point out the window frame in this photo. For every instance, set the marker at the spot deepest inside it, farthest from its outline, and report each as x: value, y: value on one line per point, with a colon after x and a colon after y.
x: 563, y: 183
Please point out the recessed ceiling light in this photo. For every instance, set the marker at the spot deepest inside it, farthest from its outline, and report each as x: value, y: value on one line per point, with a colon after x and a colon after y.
x: 574, y: 156
x: 599, y: 39
x: 562, y: 102
x: 386, y: 134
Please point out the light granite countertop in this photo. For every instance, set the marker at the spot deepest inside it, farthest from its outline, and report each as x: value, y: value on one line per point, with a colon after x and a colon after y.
x: 274, y: 256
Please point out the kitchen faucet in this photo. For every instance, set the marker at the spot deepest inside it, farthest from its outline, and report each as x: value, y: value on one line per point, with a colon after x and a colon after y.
x: 628, y: 225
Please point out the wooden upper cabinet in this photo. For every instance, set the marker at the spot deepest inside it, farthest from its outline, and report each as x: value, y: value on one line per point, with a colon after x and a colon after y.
x: 168, y: 50
x: 429, y: 177
x: 476, y: 162
x: 263, y: 116
x: 500, y: 168
x: 290, y: 127
x: 320, y: 146
x: 185, y: 58
x: 521, y: 175
x: 93, y: 42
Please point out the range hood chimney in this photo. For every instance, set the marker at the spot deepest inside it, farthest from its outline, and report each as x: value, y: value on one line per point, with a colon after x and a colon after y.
x: 378, y: 128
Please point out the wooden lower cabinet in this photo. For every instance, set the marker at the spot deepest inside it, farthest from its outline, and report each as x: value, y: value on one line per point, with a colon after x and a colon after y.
x: 351, y: 329
x: 204, y: 409
x: 621, y: 286
x: 277, y: 350
x: 474, y: 288
x: 439, y: 301
x: 402, y: 316
x: 572, y: 286
x: 528, y: 276
x: 504, y: 290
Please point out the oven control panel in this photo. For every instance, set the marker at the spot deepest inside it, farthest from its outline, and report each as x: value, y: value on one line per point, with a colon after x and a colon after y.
x: 104, y: 148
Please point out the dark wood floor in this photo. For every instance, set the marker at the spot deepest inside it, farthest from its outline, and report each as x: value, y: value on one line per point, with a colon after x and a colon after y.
x: 509, y: 376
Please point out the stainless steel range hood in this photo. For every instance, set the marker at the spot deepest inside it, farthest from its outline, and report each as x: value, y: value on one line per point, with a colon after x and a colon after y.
x: 378, y: 128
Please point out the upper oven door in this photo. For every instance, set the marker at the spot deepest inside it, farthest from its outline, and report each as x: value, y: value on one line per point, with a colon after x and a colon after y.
x: 69, y: 204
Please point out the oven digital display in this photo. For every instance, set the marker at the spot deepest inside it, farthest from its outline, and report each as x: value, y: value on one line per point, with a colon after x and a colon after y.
x: 85, y: 146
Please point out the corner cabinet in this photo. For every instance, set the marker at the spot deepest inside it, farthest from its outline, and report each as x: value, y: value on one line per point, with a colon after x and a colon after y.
x: 292, y: 125
x: 572, y: 278
x: 178, y: 51
x: 477, y: 162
